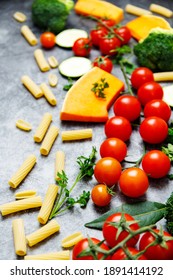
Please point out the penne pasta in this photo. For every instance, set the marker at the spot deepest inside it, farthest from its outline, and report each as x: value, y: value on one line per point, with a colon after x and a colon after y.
x: 161, y: 10
x: 31, y: 86
x: 19, y: 237
x: 29, y: 35
x: 23, y: 125
x: 41, y: 61
x: 48, y: 94
x: 20, y: 205
x: 59, y: 163
x: 42, y: 233
x: 49, y: 140
x: 20, y: 17
x: 61, y: 255
x: 72, y: 239
x: 163, y: 76
x: 48, y: 203
x: 53, y: 80
x: 76, y: 134
x: 137, y: 11
x: 53, y: 62
x: 23, y: 171
x: 43, y: 127
x: 25, y: 194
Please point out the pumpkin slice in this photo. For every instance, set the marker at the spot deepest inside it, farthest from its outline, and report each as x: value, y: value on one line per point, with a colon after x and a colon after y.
x: 99, y: 9
x: 81, y: 104
x: 141, y: 26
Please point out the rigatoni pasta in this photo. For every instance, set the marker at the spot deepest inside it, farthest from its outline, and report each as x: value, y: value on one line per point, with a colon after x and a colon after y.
x: 20, y: 205
x: 29, y: 35
x: 137, y: 11
x: 76, y: 134
x: 163, y: 76
x: 33, y: 88
x: 23, y: 171
x: 25, y: 194
x: 49, y: 140
x: 61, y: 255
x: 48, y: 94
x: 53, y: 62
x: 19, y: 237
x: 71, y: 239
x: 20, y: 17
x: 43, y: 127
x: 41, y: 60
x: 48, y: 203
x: 23, y: 125
x: 53, y: 80
x: 161, y: 10
x: 42, y: 233
x: 59, y: 163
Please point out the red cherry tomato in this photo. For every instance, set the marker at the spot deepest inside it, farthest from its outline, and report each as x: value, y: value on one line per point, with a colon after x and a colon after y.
x: 107, y: 171
x: 47, y: 39
x: 156, y: 164
x: 82, y: 47
x: 118, y: 127
x: 157, y: 108
x: 108, y: 44
x: 149, y: 91
x: 104, y: 63
x: 113, y: 147
x: 133, y: 182
x: 121, y: 255
x: 96, y: 34
x: 140, y: 76
x: 84, y: 245
x: 124, y: 33
x: 127, y: 106
x: 107, y: 22
x: 158, y: 251
x: 110, y: 230
x: 100, y: 195
x: 153, y: 130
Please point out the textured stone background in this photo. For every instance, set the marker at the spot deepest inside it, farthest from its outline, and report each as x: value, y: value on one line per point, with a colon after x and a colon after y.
x: 16, y: 58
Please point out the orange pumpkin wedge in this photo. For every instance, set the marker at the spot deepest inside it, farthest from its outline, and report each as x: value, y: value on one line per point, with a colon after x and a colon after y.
x: 82, y: 105
x: 141, y: 26
x: 99, y: 9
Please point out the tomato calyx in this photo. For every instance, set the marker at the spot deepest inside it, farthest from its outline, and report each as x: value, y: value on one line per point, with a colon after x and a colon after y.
x: 160, y: 238
x: 101, y: 60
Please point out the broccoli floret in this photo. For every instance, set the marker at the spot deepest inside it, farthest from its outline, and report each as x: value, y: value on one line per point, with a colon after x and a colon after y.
x: 51, y: 15
x: 156, y: 50
x: 169, y: 214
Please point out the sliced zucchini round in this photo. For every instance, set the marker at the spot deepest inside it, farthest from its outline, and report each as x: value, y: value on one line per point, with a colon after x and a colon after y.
x: 168, y: 95
x: 67, y: 37
x: 75, y: 66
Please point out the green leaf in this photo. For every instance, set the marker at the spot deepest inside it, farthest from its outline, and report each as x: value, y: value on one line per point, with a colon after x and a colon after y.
x: 146, y: 213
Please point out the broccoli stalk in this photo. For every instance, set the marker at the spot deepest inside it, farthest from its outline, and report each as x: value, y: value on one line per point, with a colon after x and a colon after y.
x: 156, y: 50
x: 169, y: 214
x: 51, y: 15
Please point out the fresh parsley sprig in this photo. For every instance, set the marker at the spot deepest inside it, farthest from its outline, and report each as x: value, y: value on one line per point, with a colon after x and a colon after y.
x: 99, y: 88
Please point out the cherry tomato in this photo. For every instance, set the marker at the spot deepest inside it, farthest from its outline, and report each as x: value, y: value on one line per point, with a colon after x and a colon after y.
x: 133, y: 182
x: 83, y: 245
x: 153, y: 130
x: 118, y: 127
x: 82, y: 47
x: 149, y: 91
x: 113, y: 147
x: 107, y: 171
x: 108, y: 44
x: 104, y: 63
x: 121, y: 255
x: 157, y: 108
x: 100, y: 195
x: 140, y: 76
x: 47, y: 40
x: 124, y: 33
x: 110, y: 230
x: 98, y: 33
x: 158, y: 251
x: 156, y: 164
x: 107, y: 22
x: 127, y: 106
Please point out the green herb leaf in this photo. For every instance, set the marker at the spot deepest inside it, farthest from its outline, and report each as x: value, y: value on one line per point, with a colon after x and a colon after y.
x: 146, y: 213
x: 168, y: 150
x: 69, y: 85
x: 99, y: 87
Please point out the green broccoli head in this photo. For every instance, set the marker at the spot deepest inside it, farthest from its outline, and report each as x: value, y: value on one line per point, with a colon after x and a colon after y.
x: 51, y: 15
x: 156, y: 50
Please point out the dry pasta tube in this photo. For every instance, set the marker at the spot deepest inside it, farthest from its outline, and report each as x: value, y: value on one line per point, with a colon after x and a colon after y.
x: 61, y: 255
x: 59, y: 163
x: 76, y: 134
x: 48, y: 94
x: 42, y: 233
x: 71, y: 240
x: 53, y: 80
x: 161, y: 10
x: 163, y: 76
x: 23, y: 125
x: 53, y: 62
x: 41, y: 61
x: 20, y: 205
x: 20, y: 17
x: 48, y: 203
x: 49, y: 140
x: 43, y: 127
x: 23, y: 171
x: 19, y: 237
x: 25, y: 194
x: 137, y: 11
x: 29, y: 35
x: 31, y: 86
